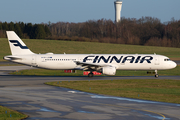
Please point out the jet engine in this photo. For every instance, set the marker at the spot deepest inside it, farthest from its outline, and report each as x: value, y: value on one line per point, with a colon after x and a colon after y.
x: 109, y: 70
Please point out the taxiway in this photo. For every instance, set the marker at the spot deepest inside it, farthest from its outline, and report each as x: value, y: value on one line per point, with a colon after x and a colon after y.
x: 29, y: 95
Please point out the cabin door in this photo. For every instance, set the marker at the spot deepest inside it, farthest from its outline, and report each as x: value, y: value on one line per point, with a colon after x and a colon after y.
x: 33, y: 61
x: 157, y: 60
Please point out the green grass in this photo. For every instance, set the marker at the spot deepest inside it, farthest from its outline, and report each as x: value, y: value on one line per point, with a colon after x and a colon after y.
x: 45, y: 72
x: 8, y: 114
x: 156, y: 90
x: 6, y: 64
x: 73, y: 47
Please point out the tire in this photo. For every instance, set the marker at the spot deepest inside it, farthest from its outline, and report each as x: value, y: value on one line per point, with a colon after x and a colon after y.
x: 90, y: 75
x: 156, y: 75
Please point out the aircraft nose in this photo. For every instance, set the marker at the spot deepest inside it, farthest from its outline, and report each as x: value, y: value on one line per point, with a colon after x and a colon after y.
x: 171, y: 65
x: 174, y: 64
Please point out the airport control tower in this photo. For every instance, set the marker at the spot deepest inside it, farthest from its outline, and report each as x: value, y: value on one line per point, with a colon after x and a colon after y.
x: 118, y: 6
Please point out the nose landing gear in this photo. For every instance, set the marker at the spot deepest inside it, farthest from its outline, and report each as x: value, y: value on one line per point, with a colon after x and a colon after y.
x: 156, y: 74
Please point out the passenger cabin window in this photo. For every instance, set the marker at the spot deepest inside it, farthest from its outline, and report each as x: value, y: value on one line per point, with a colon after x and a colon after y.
x: 60, y: 59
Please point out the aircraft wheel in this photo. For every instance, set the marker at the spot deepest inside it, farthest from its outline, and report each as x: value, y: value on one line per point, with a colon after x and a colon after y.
x: 90, y: 75
x: 156, y: 75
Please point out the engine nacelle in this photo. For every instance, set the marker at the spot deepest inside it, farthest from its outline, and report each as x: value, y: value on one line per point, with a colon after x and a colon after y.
x: 109, y: 70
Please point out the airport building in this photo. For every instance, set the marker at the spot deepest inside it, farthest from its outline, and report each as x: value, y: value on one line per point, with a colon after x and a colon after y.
x: 118, y: 6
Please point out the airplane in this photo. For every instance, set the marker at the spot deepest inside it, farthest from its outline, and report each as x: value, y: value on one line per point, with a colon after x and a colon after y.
x: 104, y: 63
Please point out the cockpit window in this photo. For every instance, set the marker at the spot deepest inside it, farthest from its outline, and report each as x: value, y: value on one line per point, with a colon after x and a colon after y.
x: 167, y: 59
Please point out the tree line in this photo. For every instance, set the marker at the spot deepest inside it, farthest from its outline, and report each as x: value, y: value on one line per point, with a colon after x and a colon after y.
x: 143, y: 31
x: 25, y: 30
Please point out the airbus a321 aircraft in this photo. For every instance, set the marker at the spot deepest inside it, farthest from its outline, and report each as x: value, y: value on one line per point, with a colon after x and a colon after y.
x: 104, y: 63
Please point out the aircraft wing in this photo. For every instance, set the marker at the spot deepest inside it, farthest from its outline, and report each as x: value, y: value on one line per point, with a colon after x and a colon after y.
x: 90, y: 66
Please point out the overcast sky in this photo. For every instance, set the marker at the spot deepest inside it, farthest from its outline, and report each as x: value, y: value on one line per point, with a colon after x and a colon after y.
x: 38, y: 11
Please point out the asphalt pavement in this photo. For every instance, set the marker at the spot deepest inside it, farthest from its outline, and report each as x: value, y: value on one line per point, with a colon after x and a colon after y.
x: 29, y: 95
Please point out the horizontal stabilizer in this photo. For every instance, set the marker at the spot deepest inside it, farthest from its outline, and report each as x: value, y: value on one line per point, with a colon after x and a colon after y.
x: 11, y: 58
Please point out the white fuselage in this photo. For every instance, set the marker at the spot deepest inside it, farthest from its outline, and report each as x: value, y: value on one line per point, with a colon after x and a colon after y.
x: 119, y: 61
x: 104, y: 63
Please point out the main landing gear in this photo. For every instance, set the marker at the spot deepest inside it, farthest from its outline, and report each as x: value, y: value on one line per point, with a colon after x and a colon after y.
x: 156, y: 74
x: 90, y: 74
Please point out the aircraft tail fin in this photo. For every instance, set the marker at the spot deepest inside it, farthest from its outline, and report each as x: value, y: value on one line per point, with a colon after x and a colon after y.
x: 17, y: 46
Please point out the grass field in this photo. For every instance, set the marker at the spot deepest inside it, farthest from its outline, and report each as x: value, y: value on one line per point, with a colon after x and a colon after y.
x: 8, y: 114
x: 73, y: 47
x: 45, y: 72
x: 156, y: 90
